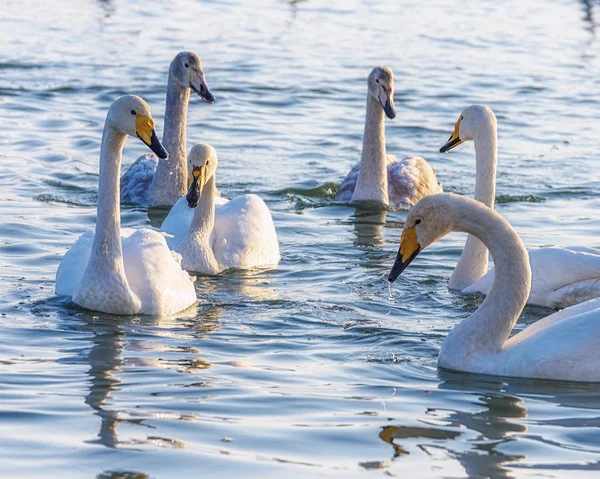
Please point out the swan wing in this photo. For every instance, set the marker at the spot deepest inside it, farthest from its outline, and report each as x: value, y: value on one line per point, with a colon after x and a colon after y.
x: 154, y: 274
x: 244, y: 234
x: 135, y: 183
x: 177, y: 223
x: 563, y: 349
x: 348, y: 184
x: 409, y: 180
x: 560, y: 277
x: 73, y: 265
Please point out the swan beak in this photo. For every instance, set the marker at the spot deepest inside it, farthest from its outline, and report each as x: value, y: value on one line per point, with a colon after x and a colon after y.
x: 201, y: 88
x: 144, y: 129
x: 454, y: 139
x: 387, y: 103
x: 197, y: 184
x: 409, y: 249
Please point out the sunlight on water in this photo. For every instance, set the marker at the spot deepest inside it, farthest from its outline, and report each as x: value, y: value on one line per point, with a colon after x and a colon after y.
x: 316, y: 368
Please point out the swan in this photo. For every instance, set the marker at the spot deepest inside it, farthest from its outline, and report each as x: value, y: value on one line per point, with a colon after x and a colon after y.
x: 378, y: 176
x: 562, y: 346
x: 149, y: 181
x: 213, y: 234
x: 125, y: 271
x: 561, y: 277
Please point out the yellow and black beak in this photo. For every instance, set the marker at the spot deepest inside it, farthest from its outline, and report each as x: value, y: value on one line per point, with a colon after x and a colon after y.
x: 454, y: 139
x: 144, y: 129
x: 196, y: 181
x: 409, y: 249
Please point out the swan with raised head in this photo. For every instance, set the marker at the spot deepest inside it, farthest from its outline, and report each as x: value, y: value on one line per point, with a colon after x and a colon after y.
x: 150, y: 181
x: 213, y: 234
x: 563, y: 346
x: 124, y: 271
x: 561, y: 277
x: 378, y: 176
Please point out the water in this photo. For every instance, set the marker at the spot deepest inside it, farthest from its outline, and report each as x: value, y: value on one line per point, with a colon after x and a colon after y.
x: 312, y: 369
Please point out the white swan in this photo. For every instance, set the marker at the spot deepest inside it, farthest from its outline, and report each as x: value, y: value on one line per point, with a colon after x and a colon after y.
x: 561, y: 277
x: 150, y: 181
x: 213, y: 234
x: 378, y: 176
x: 124, y: 271
x: 562, y: 346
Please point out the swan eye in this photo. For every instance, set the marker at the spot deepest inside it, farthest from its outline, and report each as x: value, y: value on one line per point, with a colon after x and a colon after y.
x: 417, y: 222
x: 133, y: 112
x: 377, y: 80
x: 186, y: 65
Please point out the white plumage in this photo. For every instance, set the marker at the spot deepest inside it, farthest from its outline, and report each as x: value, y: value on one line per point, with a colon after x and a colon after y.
x: 563, y: 346
x: 124, y: 271
x: 220, y: 234
x: 153, y: 272
x: 561, y: 277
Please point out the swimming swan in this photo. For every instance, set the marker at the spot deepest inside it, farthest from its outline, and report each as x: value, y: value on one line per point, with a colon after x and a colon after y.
x: 378, y: 176
x: 149, y: 181
x: 213, y: 234
x: 124, y: 271
x: 561, y: 277
x: 562, y: 346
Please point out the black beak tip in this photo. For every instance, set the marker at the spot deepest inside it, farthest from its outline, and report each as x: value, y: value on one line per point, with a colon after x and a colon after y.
x: 156, y: 146
x: 207, y: 97
x: 390, y: 111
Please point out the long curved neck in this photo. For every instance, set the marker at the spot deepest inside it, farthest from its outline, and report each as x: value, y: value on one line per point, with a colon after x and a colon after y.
x: 203, y: 221
x: 473, y: 262
x: 197, y: 244
x: 170, y: 178
x: 488, y: 328
x: 372, y: 182
x: 106, y: 248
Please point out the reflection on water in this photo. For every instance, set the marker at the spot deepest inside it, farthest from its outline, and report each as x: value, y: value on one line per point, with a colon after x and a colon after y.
x: 107, y: 367
x: 482, y: 436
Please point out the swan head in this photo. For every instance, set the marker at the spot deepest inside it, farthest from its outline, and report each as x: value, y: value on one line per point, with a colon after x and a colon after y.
x: 186, y: 71
x: 202, y: 165
x: 381, y: 88
x: 474, y: 121
x: 430, y: 219
x: 131, y: 115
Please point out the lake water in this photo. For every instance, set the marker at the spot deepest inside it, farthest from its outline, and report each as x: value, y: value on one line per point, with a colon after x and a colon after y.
x: 312, y: 369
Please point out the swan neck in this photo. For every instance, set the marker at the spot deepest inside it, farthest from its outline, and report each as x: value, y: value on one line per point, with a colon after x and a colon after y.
x: 372, y: 182
x: 107, y: 239
x: 473, y: 262
x: 488, y: 328
x: 203, y: 221
x: 486, y: 157
x: 170, y: 178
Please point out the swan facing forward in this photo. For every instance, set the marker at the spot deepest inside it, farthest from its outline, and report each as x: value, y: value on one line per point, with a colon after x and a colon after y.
x: 213, y: 234
x: 124, y: 271
x: 563, y: 346
x: 150, y: 181
x: 378, y: 176
x: 561, y: 277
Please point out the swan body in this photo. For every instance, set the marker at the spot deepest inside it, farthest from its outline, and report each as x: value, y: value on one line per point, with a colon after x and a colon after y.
x: 561, y: 277
x: 213, y: 234
x: 150, y: 181
x: 378, y: 176
x: 124, y: 271
x: 563, y: 346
